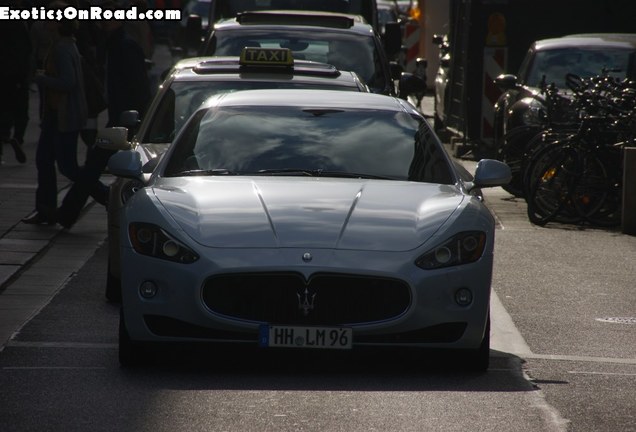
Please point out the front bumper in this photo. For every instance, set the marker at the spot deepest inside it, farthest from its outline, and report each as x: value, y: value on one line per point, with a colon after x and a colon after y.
x: 430, y: 316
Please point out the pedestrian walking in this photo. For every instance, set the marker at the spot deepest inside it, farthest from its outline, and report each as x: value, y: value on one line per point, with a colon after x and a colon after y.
x: 15, y: 76
x: 89, y: 39
x: 127, y: 89
x: 63, y: 116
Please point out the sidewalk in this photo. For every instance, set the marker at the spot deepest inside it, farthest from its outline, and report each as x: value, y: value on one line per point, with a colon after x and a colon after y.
x: 37, y: 260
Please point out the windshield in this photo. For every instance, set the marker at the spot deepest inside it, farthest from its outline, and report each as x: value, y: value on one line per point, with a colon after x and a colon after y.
x: 555, y: 64
x: 230, y: 8
x: 304, y: 141
x: 183, y: 98
x: 346, y: 51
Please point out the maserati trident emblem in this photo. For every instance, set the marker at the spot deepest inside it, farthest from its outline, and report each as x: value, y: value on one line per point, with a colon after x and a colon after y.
x: 306, y: 301
x: 307, y: 257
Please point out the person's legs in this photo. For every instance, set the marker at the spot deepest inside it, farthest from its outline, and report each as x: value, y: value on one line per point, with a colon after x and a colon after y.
x: 87, y: 184
x: 5, y: 123
x: 21, y: 120
x: 66, y: 154
x: 46, y: 192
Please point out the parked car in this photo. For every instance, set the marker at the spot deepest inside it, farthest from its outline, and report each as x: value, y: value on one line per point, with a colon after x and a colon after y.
x: 346, y: 41
x: 388, y: 12
x: 189, y: 84
x: 539, y: 95
x: 194, y: 13
x: 309, y: 219
x: 224, y: 9
x: 441, y: 93
x: 549, y: 61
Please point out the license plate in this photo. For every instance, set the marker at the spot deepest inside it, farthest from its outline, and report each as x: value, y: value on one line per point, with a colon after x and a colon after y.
x: 305, y: 337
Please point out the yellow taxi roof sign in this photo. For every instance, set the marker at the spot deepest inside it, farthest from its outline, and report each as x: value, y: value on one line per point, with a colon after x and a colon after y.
x: 266, y: 57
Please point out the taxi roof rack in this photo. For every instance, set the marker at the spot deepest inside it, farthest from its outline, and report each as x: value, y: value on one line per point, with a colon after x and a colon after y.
x: 300, y: 67
x: 291, y: 18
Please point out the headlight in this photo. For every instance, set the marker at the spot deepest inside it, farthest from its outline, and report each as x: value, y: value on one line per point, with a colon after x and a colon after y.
x: 149, y: 239
x: 462, y: 248
x: 534, y: 113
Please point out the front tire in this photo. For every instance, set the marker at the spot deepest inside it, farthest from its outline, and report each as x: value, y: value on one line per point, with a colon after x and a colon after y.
x: 478, y: 360
x: 113, y: 286
x: 131, y: 353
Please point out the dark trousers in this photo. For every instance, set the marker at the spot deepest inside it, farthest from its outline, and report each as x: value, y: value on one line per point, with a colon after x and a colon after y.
x: 54, y: 147
x: 14, y: 111
x: 87, y: 184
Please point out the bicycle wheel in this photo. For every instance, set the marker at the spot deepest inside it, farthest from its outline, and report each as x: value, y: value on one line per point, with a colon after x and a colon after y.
x: 598, y: 193
x: 512, y: 153
x: 535, y: 150
x: 555, y: 174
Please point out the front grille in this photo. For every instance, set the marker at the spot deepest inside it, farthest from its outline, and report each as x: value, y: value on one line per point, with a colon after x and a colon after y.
x: 324, y: 299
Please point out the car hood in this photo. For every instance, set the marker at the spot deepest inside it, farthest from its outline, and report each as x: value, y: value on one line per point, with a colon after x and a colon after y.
x: 259, y: 212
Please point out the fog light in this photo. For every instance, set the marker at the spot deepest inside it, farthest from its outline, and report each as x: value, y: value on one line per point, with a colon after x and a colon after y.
x: 148, y: 289
x: 463, y: 297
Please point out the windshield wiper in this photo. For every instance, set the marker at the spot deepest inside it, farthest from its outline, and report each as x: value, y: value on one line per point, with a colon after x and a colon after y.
x: 318, y: 173
x: 204, y: 172
x: 290, y: 171
x: 347, y: 174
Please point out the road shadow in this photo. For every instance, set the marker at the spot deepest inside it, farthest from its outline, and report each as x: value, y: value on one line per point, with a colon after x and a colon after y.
x: 201, y: 367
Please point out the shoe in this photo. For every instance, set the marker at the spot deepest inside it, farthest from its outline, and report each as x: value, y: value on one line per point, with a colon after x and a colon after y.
x: 39, y: 219
x: 17, y: 148
x: 60, y: 220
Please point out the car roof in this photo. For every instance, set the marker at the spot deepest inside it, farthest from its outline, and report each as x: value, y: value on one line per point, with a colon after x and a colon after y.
x: 281, y: 19
x: 322, y: 99
x: 226, y: 68
x: 585, y: 40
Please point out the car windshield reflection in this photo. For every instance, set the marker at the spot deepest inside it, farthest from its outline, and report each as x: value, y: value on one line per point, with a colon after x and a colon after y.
x: 318, y: 142
x: 555, y: 64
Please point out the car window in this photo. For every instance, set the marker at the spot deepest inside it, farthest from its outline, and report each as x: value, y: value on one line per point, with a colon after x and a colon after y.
x: 183, y: 98
x: 230, y: 8
x: 555, y: 64
x: 392, y: 145
x: 345, y: 51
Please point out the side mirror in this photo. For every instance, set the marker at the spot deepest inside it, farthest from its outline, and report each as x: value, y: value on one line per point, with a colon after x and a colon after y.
x: 396, y: 70
x: 411, y: 84
x: 129, y: 119
x: 392, y: 39
x: 490, y: 173
x: 420, y: 67
x: 126, y: 164
x: 438, y: 39
x: 506, y: 81
x: 193, y: 32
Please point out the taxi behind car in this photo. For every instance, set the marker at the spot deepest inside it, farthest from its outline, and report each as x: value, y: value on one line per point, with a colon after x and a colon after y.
x: 346, y: 41
x: 187, y: 86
